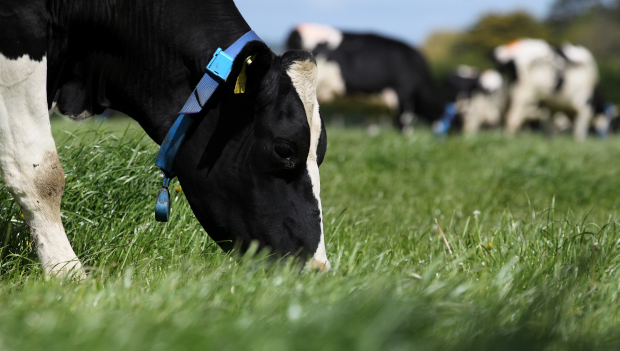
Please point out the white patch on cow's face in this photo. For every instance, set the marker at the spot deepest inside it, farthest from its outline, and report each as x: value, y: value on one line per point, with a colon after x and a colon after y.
x: 29, y: 163
x: 329, y: 79
x: 304, y: 77
x: 491, y: 80
x: 313, y: 34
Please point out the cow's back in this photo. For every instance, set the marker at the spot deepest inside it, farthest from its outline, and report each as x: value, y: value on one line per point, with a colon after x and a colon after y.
x: 370, y: 63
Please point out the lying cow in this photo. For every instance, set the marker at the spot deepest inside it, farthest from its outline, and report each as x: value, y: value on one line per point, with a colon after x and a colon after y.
x: 366, y: 63
x: 249, y: 164
x: 541, y: 75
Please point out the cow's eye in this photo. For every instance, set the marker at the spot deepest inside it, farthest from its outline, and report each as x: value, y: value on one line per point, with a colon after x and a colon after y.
x: 284, y: 150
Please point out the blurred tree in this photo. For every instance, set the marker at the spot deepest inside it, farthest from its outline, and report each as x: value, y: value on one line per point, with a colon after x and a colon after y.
x: 493, y: 30
x: 563, y: 12
x: 594, y: 24
x: 446, y: 50
x: 438, y: 46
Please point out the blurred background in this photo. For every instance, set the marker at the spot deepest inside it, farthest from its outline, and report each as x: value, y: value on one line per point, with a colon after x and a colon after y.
x: 454, y: 32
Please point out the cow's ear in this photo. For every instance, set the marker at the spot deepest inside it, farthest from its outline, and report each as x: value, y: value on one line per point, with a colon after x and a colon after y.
x: 260, y: 62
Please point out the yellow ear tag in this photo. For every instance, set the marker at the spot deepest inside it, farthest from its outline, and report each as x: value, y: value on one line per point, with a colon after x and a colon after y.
x: 242, y: 78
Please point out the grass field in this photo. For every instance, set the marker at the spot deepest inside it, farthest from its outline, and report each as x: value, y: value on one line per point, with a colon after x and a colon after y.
x: 533, y: 225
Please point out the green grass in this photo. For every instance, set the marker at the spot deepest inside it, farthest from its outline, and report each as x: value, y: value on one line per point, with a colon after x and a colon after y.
x: 537, y: 268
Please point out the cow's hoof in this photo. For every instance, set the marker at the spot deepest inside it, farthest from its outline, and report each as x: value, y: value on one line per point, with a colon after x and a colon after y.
x: 71, y: 270
x: 321, y: 266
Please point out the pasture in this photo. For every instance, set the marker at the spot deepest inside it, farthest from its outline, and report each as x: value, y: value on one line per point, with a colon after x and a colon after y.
x: 532, y: 223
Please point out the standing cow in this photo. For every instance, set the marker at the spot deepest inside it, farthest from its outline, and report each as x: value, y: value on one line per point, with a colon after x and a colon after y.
x: 367, y: 63
x: 480, y: 97
x: 541, y: 75
x: 249, y: 164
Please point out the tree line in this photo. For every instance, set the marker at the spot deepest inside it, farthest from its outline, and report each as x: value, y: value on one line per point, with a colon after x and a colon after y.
x: 594, y: 24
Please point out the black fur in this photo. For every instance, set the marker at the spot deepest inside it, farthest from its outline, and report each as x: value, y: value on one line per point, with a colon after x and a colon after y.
x: 144, y: 58
x: 370, y: 63
x: 456, y: 84
x: 24, y: 28
x: 597, y: 101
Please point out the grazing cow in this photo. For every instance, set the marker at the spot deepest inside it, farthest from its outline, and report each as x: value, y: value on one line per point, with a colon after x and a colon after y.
x: 557, y: 78
x: 479, y: 96
x: 249, y: 163
x: 367, y: 63
x: 461, y: 83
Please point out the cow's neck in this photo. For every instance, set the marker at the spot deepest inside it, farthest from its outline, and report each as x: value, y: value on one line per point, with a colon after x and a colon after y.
x: 139, y: 57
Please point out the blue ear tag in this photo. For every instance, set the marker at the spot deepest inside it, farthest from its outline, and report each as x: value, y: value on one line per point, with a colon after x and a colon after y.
x: 162, y: 204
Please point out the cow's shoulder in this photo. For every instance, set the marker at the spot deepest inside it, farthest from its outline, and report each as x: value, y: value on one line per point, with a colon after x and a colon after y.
x: 23, y: 25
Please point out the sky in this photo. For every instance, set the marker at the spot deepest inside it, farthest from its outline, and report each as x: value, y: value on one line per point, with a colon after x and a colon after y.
x: 408, y: 20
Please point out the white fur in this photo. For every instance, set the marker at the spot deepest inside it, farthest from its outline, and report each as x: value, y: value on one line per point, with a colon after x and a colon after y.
x: 304, y: 77
x: 483, y: 107
x: 537, y: 66
x: 577, y: 54
x: 491, y: 80
x: 524, y: 52
x: 29, y: 163
x: 313, y: 34
x: 389, y: 97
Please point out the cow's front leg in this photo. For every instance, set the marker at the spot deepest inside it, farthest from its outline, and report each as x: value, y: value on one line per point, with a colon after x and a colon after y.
x: 521, y: 100
x: 471, y: 112
x: 582, y: 122
x: 406, y: 116
x: 29, y: 163
x: 406, y: 120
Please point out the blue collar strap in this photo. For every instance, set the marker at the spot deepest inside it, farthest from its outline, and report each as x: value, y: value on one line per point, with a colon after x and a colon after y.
x: 443, y: 125
x: 218, y: 70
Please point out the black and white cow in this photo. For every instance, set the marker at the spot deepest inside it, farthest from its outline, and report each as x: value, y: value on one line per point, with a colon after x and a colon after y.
x: 250, y: 165
x: 368, y: 63
x: 480, y: 97
x: 558, y: 79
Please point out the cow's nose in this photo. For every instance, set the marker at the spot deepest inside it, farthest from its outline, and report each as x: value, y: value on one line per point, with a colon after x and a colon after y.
x: 322, y: 266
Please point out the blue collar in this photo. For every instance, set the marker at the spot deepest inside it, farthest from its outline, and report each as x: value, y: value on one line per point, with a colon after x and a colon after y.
x: 218, y: 70
x: 445, y: 122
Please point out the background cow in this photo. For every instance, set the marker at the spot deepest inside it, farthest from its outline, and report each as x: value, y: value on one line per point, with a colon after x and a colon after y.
x: 249, y: 166
x: 559, y: 79
x: 367, y: 63
x: 538, y: 83
x: 479, y: 96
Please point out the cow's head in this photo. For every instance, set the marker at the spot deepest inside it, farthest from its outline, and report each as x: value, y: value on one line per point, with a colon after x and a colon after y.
x: 485, y: 103
x: 251, y: 169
